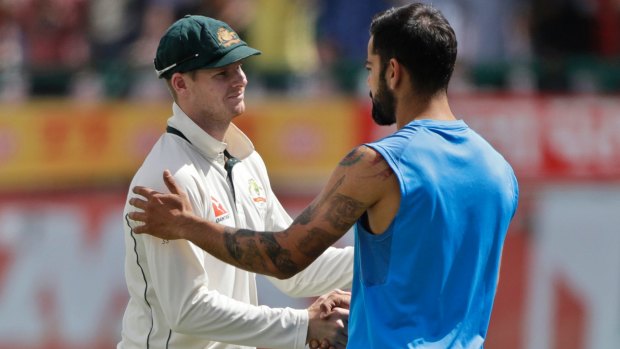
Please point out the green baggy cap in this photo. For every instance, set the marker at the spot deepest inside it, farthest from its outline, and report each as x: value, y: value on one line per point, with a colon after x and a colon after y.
x: 195, y: 42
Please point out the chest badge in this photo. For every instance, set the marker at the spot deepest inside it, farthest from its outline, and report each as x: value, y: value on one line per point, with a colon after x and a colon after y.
x: 219, y: 211
x: 257, y: 193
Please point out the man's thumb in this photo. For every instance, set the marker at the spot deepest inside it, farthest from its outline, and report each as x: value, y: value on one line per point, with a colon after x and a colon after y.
x: 170, y: 183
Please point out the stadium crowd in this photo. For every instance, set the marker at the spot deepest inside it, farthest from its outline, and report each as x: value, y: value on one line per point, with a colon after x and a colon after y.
x: 103, y: 49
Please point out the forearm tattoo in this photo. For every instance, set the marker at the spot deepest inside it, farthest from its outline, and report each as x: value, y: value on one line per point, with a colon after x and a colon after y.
x: 244, y: 245
x: 241, y: 246
x: 316, y: 241
x: 280, y: 257
x: 343, y: 211
x: 248, y: 248
x: 308, y: 214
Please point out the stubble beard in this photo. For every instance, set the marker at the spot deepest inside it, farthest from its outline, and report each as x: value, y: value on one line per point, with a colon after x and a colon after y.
x: 383, y: 105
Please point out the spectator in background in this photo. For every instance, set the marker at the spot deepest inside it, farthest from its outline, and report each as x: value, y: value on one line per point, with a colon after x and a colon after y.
x: 494, y: 40
x: 238, y: 13
x: 56, y: 44
x: 145, y: 85
x: 113, y: 26
x: 12, y: 84
x: 342, y: 31
x: 561, y: 29
x: 284, y: 29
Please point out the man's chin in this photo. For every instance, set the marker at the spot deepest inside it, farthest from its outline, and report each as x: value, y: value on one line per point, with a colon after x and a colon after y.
x: 382, y: 120
x: 239, y: 109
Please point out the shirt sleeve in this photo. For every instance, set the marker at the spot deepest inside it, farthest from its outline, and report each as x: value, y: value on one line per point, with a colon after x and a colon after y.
x: 181, y: 284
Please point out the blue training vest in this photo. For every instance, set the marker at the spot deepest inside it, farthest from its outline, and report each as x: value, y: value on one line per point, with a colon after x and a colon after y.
x: 430, y: 279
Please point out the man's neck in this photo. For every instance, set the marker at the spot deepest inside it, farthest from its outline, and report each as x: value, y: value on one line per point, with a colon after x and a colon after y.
x: 435, y: 107
x: 215, y: 128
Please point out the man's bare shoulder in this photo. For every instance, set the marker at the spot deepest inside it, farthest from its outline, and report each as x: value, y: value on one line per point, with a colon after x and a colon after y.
x: 366, y: 161
x: 372, y: 181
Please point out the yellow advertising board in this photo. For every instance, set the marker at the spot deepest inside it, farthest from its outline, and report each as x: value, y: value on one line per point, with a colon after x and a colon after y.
x: 302, y: 141
x: 59, y: 144
x: 56, y: 144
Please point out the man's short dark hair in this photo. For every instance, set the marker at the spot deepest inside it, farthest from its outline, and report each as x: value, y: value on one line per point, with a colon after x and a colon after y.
x: 420, y: 38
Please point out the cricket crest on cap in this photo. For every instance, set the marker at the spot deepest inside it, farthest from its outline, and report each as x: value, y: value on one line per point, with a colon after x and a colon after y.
x: 227, y: 37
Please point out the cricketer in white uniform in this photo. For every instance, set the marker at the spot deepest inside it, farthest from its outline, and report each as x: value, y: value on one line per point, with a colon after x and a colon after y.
x: 182, y: 297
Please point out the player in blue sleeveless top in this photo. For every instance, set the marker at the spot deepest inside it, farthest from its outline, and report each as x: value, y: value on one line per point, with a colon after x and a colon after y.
x: 431, y: 204
x: 428, y: 281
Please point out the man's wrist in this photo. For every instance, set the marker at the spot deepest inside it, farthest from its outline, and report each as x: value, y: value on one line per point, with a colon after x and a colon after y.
x: 187, y: 225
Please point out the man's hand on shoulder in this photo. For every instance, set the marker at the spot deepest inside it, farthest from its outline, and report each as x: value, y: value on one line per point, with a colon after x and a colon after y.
x: 161, y: 214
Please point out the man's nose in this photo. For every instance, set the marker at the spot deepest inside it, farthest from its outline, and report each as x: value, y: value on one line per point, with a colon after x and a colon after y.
x: 240, y: 78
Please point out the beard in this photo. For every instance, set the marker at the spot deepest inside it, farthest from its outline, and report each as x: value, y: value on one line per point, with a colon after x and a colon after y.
x: 383, y: 105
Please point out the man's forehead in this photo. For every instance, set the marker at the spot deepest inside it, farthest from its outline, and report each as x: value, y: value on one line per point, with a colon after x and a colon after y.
x: 228, y: 66
x: 371, y: 43
x: 372, y: 57
x: 371, y: 48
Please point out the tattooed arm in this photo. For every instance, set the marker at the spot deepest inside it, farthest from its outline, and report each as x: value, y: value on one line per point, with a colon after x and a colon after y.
x: 362, y: 182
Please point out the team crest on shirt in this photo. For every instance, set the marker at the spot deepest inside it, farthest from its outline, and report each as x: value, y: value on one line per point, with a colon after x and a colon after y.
x: 219, y: 211
x: 257, y: 193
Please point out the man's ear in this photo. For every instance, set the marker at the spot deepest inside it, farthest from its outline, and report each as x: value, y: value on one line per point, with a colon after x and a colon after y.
x: 178, y: 83
x: 393, y: 73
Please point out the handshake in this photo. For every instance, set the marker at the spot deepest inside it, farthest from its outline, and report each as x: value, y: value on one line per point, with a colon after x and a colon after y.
x: 328, y: 321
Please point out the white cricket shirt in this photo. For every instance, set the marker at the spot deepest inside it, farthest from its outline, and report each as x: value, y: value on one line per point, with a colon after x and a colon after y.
x: 182, y: 297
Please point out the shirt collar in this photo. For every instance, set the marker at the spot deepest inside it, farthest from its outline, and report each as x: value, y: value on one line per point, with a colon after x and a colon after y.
x: 236, y: 141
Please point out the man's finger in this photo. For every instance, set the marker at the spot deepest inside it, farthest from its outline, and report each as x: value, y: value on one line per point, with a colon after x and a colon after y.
x: 138, y: 203
x: 137, y: 216
x: 140, y: 229
x: 343, y: 314
x: 326, y: 309
x: 326, y: 313
x: 171, y: 184
x: 143, y: 191
x: 340, y: 341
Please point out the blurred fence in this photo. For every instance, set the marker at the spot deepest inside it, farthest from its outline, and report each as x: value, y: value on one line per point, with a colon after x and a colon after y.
x: 64, y: 171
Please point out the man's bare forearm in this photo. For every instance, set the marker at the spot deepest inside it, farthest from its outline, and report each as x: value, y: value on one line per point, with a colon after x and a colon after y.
x: 285, y: 253
x: 259, y: 252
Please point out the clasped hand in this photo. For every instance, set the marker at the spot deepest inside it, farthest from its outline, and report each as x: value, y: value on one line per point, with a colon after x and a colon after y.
x: 329, y: 319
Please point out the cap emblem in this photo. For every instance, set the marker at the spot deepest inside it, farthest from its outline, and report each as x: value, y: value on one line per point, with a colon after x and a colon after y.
x: 227, y: 37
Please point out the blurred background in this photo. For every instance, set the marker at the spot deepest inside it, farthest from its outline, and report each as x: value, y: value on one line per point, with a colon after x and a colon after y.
x: 80, y: 107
